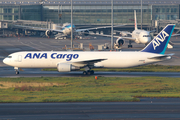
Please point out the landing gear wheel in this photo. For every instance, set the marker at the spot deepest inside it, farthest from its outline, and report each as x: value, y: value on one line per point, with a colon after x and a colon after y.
x: 129, y: 46
x: 89, y: 72
x: 84, y: 73
x: 17, y: 72
x: 92, y: 72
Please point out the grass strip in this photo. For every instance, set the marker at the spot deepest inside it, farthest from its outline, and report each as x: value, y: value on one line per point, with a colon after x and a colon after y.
x: 86, y: 89
x: 147, y: 68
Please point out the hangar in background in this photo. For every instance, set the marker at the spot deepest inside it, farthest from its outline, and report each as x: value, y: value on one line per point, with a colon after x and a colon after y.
x: 91, y: 12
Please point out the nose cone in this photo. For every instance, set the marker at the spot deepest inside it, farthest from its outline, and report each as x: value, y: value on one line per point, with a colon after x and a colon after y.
x: 146, y: 40
x: 149, y: 39
x: 5, y: 61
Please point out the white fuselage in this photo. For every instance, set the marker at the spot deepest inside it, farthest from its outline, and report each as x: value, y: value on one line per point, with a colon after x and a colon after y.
x: 142, y: 36
x: 67, y: 31
x: 50, y: 59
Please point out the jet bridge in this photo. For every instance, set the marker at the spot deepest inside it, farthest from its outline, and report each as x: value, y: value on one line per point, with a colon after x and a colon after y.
x: 27, y: 26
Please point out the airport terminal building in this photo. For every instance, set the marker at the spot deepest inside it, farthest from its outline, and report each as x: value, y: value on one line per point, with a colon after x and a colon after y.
x: 91, y: 12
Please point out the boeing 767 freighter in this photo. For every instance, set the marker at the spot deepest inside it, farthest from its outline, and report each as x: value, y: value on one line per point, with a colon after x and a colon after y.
x: 66, y: 61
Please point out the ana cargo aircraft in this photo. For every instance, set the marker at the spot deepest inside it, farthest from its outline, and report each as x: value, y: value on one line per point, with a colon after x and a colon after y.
x: 73, y: 60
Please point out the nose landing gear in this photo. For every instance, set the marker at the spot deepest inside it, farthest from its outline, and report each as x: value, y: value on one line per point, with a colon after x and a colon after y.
x: 17, y: 71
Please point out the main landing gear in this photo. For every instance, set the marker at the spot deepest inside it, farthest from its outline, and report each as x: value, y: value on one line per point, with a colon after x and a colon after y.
x: 89, y: 72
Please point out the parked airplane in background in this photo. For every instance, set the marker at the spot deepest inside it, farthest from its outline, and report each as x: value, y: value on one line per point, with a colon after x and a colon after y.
x: 138, y: 36
x: 72, y: 60
x: 64, y: 31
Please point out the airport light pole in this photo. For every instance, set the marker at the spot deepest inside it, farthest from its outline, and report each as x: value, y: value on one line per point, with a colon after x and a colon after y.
x: 71, y: 26
x: 112, y: 41
x: 141, y: 15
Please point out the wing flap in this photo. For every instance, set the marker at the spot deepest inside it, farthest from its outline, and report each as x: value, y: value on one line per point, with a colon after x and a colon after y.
x: 79, y: 30
x: 127, y: 38
x: 86, y: 62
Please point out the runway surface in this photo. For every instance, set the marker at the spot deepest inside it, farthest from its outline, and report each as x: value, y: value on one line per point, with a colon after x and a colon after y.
x: 147, y: 109
x: 9, y: 72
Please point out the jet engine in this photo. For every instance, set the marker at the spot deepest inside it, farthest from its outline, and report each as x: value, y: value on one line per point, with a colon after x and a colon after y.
x: 119, y: 43
x: 48, y: 33
x: 86, y: 32
x: 64, y: 67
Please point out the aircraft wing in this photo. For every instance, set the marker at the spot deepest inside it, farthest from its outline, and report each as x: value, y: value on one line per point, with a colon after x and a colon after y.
x: 37, y: 28
x: 127, y: 38
x: 81, y: 30
x: 175, y: 35
x: 123, y: 33
x: 87, y: 62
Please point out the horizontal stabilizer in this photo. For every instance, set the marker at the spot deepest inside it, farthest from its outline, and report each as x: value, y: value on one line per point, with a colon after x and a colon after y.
x: 167, y: 56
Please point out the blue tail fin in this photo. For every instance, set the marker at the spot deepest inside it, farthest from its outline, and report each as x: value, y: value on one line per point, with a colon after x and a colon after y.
x: 160, y: 42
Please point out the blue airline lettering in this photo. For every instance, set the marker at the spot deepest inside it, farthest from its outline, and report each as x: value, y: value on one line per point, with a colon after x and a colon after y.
x: 159, y: 43
x: 62, y: 56
x: 156, y: 42
x: 68, y: 57
x: 37, y: 55
x: 44, y: 55
x: 28, y: 55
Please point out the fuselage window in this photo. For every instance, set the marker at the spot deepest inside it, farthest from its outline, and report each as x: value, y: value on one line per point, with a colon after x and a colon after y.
x: 9, y: 56
x: 146, y: 35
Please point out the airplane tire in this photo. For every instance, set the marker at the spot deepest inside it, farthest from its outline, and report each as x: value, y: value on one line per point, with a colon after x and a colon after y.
x: 89, y: 72
x: 129, y: 46
x: 17, y: 72
x: 92, y: 72
x: 84, y: 73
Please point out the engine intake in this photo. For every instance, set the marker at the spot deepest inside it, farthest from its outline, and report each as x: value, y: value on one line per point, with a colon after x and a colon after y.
x: 119, y: 42
x: 48, y: 33
x: 86, y: 32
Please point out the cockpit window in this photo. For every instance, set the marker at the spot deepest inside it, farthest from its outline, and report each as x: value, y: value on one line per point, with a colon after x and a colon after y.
x: 9, y: 56
x: 146, y: 35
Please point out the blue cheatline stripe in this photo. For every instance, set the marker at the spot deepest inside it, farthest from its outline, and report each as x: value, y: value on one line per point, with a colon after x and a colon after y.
x: 168, y: 41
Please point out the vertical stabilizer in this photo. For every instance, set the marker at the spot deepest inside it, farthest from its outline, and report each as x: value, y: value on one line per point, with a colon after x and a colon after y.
x: 160, y: 42
x: 135, y: 20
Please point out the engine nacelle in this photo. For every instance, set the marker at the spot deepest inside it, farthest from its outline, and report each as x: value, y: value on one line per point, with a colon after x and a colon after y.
x: 119, y: 42
x: 48, y: 33
x: 64, y: 67
x: 86, y: 32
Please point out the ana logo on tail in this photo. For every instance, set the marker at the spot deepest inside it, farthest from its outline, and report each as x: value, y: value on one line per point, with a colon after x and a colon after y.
x: 160, y: 38
x: 160, y: 42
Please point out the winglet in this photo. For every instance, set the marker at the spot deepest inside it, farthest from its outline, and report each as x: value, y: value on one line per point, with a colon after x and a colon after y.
x: 135, y: 20
x: 160, y: 42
